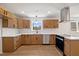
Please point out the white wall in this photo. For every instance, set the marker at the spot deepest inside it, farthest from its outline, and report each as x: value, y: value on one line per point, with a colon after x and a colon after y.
x: 64, y: 28
x: 0, y: 36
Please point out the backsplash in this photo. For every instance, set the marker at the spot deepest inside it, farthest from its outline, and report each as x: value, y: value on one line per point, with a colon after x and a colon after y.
x: 46, y: 31
x: 15, y: 32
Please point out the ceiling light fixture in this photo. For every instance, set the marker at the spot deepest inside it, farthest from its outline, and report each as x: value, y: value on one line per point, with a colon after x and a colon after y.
x: 49, y: 12
x: 22, y: 12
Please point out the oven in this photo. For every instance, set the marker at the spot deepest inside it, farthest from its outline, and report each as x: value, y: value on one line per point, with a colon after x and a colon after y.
x: 60, y: 43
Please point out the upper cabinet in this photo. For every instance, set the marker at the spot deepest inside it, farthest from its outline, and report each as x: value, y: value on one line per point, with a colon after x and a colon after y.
x: 6, y: 13
x: 9, y: 22
x: 20, y: 23
x: 26, y: 23
x: 75, y: 26
x: 50, y: 23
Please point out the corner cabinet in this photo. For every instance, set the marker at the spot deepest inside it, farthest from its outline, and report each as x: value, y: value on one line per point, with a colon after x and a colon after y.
x: 10, y: 44
x: 50, y: 23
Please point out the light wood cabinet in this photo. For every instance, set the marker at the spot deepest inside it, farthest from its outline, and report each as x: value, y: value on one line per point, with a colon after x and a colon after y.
x: 52, y: 39
x: 26, y: 39
x: 71, y: 47
x: 18, y: 42
x: 20, y: 23
x: 37, y: 39
x: 75, y: 47
x: 26, y: 23
x: 50, y: 23
x: 5, y: 12
x: 10, y: 44
x: 67, y: 47
x: 8, y: 22
x: 32, y: 39
x: 23, y: 23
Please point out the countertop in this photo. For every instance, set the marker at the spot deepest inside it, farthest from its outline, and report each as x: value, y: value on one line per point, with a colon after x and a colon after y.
x: 67, y: 36
x: 71, y: 37
x: 14, y: 35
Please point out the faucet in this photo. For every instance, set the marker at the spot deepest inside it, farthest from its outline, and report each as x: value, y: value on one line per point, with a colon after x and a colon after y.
x: 37, y: 31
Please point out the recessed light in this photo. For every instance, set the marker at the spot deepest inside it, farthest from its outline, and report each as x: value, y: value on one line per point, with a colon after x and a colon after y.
x: 49, y: 12
x: 22, y: 12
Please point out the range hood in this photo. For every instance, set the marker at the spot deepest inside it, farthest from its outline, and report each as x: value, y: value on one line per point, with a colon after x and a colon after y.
x: 65, y: 14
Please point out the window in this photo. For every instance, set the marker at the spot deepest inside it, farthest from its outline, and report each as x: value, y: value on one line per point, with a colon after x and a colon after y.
x: 36, y: 25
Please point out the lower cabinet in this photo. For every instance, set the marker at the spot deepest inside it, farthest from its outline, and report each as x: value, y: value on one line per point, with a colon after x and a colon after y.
x: 26, y: 39
x: 17, y: 42
x: 32, y: 39
x: 10, y: 44
x: 71, y: 47
x: 67, y: 47
x: 37, y: 39
x: 52, y: 39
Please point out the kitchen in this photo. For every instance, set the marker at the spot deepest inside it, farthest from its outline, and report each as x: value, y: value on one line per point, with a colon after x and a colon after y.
x: 39, y: 28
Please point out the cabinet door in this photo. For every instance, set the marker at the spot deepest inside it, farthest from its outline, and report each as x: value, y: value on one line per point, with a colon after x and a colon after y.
x: 50, y: 23
x: 40, y: 39
x: 26, y: 23
x: 5, y: 22
x: 11, y: 23
x: 37, y: 39
x: 67, y: 47
x: 73, y: 26
x: 8, y: 22
x: 55, y: 23
x: 15, y: 23
x: 74, y: 47
x: 8, y: 44
x: 27, y: 39
x: 18, y: 41
x: 20, y: 23
x: 52, y: 39
x: 23, y: 39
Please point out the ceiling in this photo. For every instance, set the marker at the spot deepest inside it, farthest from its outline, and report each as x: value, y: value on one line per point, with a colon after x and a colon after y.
x: 39, y: 9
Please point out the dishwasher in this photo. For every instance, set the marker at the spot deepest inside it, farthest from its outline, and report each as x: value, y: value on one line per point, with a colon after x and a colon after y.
x: 46, y: 39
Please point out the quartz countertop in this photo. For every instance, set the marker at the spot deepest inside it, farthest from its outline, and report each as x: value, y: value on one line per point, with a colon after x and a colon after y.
x: 14, y: 35
x: 71, y: 37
